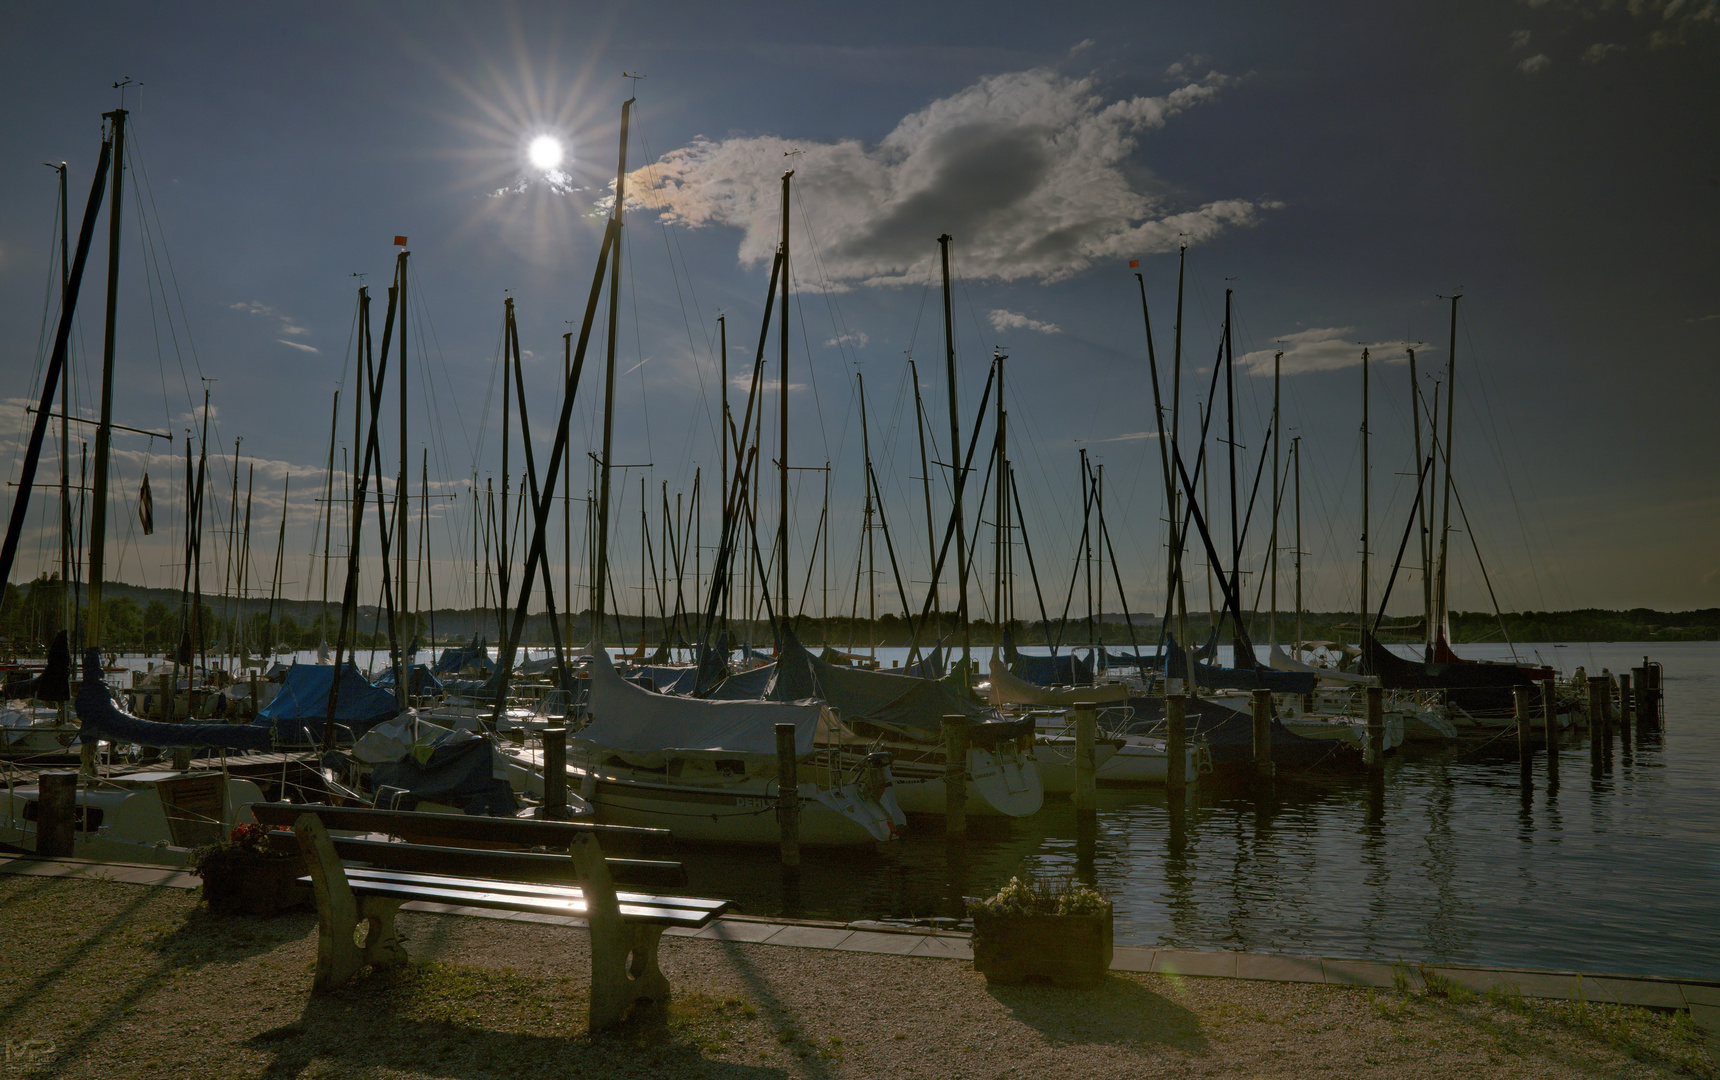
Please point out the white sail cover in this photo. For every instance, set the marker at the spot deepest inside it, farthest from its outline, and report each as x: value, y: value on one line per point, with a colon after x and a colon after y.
x: 1007, y: 689
x: 632, y: 719
x: 1279, y: 660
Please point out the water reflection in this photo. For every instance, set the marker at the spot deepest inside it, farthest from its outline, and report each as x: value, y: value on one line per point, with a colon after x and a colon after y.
x: 1450, y: 855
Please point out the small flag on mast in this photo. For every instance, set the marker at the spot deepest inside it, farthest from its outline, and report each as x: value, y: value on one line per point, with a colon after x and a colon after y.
x: 400, y: 241
x: 1134, y: 263
x: 146, y: 508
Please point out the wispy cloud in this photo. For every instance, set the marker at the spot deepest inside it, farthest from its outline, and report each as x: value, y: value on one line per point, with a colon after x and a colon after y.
x: 1026, y: 170
x: 1323, y: 349
x: 858, y: 339
x: 1599, y: 51
x: 286, y: 323
x: 1082, y: 46
x: 635, y: 367
x: 1003, y: 319
x: 1536, y: 64
x: 1519, y: 39
x: 1131, y: 436
x: 301, y: 346
x: 743, y: 383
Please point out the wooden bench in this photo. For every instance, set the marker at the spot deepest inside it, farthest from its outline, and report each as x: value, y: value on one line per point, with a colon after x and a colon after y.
x: 626, y: 927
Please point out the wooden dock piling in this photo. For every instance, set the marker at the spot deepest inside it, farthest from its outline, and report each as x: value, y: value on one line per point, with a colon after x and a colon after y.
x: 1550, y: 720
x: 56, y: 814
x: 1525, y: 731
x: 1649, y: 696
x: 1597, y: 722
x: 1086, y: 768
x: 1374, y: 753
x: 1261, y: 700
x: 1624, y: 707
x: 555, y: 773
x: 955, y: 775
x: 1176, y: 743
x: 788, y: 795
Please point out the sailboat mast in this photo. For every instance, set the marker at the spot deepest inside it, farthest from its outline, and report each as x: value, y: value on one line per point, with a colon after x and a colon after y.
x: 1420, y: 506
x: 1277, y: 498
x: 782, y: 435
x: 600, y: 578
x: 1442, y: 596
x: 1296, y: 464
x: 1230, y: 447
x: 1180, y: 599
x: 925, y: 471
x: 871, y: 552
x: 402, y: 486
x: 104, y: 433
x: 68, y: 598
x: 567, y: 601
x: 955, y: 458
x: 999, y: 507
x: 1362, y: 618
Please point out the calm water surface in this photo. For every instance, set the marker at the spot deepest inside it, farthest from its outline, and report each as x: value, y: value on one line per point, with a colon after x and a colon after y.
x: 1448, y: 860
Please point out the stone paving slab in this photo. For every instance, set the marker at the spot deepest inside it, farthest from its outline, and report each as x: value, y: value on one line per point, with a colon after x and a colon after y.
x: 873, y: 942
x: 1280, y: 968
x: 1358, y: 973
x: 1132, y: 958
x: 735, y: 930
x: 952, y: 948
x: 1195, y: 962
x: 811, y: 937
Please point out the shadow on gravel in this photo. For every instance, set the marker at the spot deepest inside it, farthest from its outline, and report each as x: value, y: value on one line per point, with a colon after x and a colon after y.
x: 1118, y: 1011
x: 365, y: 1037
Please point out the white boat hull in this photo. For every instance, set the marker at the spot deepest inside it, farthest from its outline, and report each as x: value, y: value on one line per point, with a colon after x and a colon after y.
x: 130, y: 820
x: 842, y: 817
x: 1000, y: 782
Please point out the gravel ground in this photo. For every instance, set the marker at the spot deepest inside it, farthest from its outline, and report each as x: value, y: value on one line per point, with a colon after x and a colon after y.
x: 109, y: 980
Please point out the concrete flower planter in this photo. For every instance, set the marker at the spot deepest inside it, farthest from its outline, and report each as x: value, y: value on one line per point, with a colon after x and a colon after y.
x: 1064, y: 950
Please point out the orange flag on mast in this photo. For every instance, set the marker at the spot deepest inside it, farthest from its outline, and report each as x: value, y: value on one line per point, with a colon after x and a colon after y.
x: 400, y: 241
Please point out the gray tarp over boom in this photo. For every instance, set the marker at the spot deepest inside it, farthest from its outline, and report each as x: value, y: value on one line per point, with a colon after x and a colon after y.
x: 643, y: 725
x: 300, y: 709
x: 459, y: 772
x: 899, y: 703
x: 102, y: 719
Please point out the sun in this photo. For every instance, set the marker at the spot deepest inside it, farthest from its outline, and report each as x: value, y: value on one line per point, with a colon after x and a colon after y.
x: 544, y: 152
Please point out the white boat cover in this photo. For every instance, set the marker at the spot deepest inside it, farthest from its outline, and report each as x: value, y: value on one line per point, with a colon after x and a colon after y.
x: 1007, y: 689
x: 1279, y: 660
x: 632, y: 719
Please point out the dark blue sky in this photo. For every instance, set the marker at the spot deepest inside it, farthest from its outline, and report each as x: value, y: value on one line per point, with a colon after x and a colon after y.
x: 1344, y: 164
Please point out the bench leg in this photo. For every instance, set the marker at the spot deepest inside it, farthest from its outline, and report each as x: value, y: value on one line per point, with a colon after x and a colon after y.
x: 338, y: 956
x: 382, y: 947
x: 624, y: 969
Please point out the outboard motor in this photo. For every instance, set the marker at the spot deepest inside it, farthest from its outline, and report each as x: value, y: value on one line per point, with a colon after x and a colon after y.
x: 879, y: 785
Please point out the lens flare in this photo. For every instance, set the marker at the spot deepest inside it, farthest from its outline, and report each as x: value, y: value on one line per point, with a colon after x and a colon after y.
x: 544, y: 152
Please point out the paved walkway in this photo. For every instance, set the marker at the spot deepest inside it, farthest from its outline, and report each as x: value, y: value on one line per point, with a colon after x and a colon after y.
x: 1702, y: 999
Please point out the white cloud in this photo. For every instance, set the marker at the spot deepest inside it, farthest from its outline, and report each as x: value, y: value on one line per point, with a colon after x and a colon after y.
x: 766, y: 385
x: 289, y: 326
x: 1599, y: 51
x: 1535, y: 64
x: 1323, y: 349
x: 858, y: 339
x: 1082, y: 46
x: 299, y: 345
x: 1010, y: 320
x: 1131, y: 436
x: 1025, y: 170
x: 1519, y: 38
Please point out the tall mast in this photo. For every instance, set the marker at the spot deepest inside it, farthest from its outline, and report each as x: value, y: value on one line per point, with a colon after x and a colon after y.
x: 782, y: 436
x: 1180, y: 599
x: 723, y: 439
x: 402, y: 498
x: 871, y: 553
x: 104, y: 433
x: 1420, y: 506
x: 566, y: 504
x: 955, y: 458
x: 1443, y: 599
x: 1296, y: 463
x: 505, y: 535
x: 925, y: 471
x: 1277, y: 497
x: 999, y: 507
x: 600, y: 578
x: 328, y: 515
x: 68, y: 599
x: 1230, y: 446
x: 1362, y: 619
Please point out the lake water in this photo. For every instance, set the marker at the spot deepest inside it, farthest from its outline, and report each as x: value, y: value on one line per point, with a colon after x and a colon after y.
x: 1449, y: 859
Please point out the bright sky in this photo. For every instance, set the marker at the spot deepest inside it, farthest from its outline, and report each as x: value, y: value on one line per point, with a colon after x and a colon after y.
x: 1339, y: 167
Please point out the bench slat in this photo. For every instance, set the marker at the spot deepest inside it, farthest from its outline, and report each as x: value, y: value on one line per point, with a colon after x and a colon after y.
x: 541, y: 905
x: 504, y: 865
x: 355, y: 874
x: 524, y: 832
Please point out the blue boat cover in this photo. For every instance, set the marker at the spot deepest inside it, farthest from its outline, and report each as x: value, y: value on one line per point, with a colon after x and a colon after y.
x: 300, y: 709
x: 667, y: 678
x: 423, y: 682
x: 747, y: 685
x: 475, y: 655
x: 458, y: 773
x: 1209, y: 677
x: 1067, y: 670
x: 100, y: 718
x: 929, y: 666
